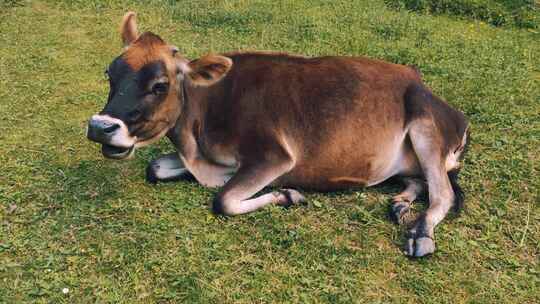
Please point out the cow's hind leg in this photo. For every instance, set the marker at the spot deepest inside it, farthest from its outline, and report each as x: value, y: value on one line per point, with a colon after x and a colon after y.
x: 167, y: 168
x: 401, y: 203
x: 236, y: 196
x: 428, y: 145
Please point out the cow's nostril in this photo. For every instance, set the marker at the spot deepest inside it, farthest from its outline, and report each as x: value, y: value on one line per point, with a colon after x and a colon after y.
x: 111, y: 128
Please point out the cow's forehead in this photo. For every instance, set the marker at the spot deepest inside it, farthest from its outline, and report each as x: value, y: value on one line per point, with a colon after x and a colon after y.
x: 146, y: 49
x: 119, y: 66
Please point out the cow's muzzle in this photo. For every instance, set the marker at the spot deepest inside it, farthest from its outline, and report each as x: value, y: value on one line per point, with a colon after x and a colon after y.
x: 101, y: 131
x: 112, y: 134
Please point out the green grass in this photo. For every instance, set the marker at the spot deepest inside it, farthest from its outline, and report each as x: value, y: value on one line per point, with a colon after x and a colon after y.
x: 520, y: 13
x: 70, y: 219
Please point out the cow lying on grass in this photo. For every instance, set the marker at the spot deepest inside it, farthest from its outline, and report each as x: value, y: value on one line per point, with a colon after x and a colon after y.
x: 244, y: 121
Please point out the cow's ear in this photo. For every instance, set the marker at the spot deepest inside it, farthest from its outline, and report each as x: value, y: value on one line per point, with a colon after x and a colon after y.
x: 128, y: 29
x: 209, y: 69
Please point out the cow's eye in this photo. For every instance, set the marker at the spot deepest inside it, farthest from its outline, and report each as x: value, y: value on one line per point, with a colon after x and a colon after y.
x: 160, y: 88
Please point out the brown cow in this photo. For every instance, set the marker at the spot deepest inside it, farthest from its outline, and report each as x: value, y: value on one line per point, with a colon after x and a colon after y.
x: 249, y: 120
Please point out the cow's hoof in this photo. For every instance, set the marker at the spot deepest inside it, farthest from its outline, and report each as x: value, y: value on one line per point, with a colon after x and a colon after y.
x: 151, y: 170
x: 400, y: 211
x: 419, y: 247
x: 161, y: 171
x: 218, y: 206
x: 293, y: 197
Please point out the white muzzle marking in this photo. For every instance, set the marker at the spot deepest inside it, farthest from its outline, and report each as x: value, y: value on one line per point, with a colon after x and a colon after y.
x: 121, y: 137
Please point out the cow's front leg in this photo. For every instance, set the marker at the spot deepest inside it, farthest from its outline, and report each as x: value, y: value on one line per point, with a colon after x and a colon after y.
x: 167, y: 168
x: 236, y: 196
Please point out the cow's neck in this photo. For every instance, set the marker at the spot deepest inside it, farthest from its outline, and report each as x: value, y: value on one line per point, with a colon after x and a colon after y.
x: 173, y: 133
x: 193, y: 105
x: 203, y: 118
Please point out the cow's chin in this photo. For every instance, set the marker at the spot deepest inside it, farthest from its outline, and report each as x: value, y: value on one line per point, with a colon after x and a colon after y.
x: 113, y: 152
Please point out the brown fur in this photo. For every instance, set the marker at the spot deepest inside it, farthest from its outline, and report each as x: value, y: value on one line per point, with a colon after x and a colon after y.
x: 146, y: 49
x: 306, y: 101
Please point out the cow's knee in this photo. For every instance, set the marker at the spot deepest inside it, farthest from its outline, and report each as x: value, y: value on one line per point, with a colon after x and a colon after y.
x: 223, y: 206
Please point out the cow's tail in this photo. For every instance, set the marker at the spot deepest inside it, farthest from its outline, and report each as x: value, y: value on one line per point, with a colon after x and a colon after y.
x: 459, y: 196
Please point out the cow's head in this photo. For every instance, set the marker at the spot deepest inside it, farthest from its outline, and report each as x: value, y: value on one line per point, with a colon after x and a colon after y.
x: 146, y: 91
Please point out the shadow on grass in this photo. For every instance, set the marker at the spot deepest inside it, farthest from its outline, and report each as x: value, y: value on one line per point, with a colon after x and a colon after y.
x: 74, y: 196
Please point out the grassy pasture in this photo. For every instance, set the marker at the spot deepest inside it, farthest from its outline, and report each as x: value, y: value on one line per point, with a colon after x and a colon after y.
x: 520, y: 13
x: 70, y: 219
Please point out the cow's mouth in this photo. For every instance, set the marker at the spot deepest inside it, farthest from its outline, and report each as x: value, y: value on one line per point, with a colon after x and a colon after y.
x: 116, y: 152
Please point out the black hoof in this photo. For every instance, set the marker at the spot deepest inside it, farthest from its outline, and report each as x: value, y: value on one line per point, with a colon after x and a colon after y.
x: 218, y: 206
x: 152, y: 178
x: 151, y: 169
x: 420, y: 242
x: 398, y: 212
x: 419, y: 246
x: 293, y: 198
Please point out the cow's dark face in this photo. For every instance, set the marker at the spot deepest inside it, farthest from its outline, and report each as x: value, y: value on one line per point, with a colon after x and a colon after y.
x: 144, y: 99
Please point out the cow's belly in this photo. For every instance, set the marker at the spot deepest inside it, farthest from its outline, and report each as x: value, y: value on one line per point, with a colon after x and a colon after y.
x: 353, y: 166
